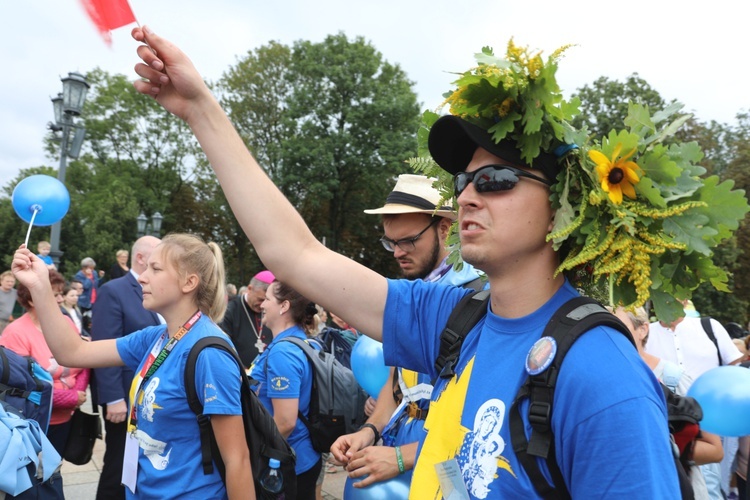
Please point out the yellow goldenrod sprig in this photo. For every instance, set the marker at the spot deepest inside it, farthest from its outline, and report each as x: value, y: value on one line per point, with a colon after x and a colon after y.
x: 591, y: 250
x: 663, y: 213
x: 660, y: 241
x: 564, y: 232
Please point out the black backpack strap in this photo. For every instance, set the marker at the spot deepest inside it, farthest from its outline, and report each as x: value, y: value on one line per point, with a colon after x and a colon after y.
x: 464, y: 316
x: 208, y: 442
x: 706, y: 324
x: 575, y: 317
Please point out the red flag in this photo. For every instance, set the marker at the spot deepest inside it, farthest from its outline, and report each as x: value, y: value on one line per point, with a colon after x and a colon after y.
x: 108, y: 15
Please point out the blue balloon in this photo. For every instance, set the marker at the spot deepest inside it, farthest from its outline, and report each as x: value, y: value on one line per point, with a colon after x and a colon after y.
x: 368, y: 366
x: 724, y: 395
x: 45, y: 194
x: 396, y: 488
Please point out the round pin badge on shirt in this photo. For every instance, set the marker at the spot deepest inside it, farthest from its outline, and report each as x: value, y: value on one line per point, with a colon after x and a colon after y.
x: 541, y: 355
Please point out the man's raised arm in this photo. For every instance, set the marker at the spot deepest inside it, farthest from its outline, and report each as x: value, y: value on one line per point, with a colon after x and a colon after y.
x: 279, y: 234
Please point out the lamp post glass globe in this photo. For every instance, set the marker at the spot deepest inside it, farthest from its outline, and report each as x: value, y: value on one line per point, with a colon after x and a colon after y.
x: 57, y: 106
x: 144, y: 227
x: 75, y: 88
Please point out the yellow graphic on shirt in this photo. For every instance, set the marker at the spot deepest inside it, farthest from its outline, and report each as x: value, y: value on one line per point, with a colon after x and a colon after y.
x: 280, y: 383
x: 410, y: 377
x: 446, y: 436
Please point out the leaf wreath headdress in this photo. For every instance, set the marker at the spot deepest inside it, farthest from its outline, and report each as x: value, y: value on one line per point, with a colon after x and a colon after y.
x: 634, y: 217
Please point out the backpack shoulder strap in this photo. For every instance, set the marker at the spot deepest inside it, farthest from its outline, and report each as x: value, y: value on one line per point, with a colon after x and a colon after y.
x: 476, y: 284
x: 570, y: 321
x: 464, y: 316
x: 706, y: 324
x: 302, y: 344
x: 204, y: 422
x: 310, y: 352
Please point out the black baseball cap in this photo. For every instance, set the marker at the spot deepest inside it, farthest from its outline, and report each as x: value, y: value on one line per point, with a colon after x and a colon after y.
x: 453, y: 141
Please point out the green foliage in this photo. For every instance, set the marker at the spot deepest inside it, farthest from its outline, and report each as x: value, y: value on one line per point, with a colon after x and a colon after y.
x: 332, y: 132
x: 604, y: 103
x: 515, y: 96
x: 633, y: 207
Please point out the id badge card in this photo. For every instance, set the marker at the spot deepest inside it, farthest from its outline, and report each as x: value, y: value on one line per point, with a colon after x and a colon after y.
x: 451, y: 481
x: 130, y: 462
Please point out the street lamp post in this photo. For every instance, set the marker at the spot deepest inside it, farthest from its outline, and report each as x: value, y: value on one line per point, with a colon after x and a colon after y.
x: 67, y: 106
x: 145, y: 227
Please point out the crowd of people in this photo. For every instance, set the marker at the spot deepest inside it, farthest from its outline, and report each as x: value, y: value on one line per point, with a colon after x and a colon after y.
x: 448, y: 432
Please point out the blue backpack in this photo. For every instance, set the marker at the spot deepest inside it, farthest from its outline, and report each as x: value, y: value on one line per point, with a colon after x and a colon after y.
x: 339, y: 343
x: 26, y: 386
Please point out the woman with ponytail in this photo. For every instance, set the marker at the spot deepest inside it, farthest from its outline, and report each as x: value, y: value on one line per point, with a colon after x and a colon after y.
x: 184, y: 282
x: 285, y: 378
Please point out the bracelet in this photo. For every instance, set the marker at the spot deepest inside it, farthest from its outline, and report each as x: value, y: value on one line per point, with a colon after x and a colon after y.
x: 400, y: 460
x: 374, y: 430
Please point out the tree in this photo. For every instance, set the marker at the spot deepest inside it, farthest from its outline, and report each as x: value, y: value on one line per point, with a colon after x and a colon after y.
x: 333, y: 130
x: 738, y: 168
x: 604, y: 104
x: 136, y: 158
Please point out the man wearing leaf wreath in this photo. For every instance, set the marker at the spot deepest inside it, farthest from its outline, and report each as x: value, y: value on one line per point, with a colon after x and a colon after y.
x: 517, y: 202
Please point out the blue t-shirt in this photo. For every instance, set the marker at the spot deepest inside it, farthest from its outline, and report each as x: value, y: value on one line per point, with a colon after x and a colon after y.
x: 284, y: 372
x: 167, y: 427
x: 609, y: 418
x: 402, y: 429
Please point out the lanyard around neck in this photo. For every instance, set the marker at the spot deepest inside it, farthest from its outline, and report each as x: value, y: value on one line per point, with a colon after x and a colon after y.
x: 153, y: 362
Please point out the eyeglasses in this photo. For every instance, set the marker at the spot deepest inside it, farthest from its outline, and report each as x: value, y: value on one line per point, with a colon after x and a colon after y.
x: 406, y: 244
x: 493, y: 178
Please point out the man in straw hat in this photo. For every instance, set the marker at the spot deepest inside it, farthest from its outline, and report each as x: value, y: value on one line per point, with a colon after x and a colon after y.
x: 517, y: 204
x: 416, y: 227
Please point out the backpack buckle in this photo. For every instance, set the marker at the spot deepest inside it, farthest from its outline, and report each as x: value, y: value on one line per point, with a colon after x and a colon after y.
x: 539, y: 415
x: 204, y: 421
x: 447, y: 371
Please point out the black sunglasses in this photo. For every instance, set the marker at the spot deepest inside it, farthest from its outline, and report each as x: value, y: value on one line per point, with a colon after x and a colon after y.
x: 406, y: 244
x: 493, y: 178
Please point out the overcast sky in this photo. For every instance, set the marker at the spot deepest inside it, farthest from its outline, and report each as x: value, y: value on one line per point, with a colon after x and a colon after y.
x: 693, y: 52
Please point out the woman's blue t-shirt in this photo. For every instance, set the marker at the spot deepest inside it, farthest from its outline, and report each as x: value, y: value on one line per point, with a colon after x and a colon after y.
x: 284, y: 372
x: 169, y: 459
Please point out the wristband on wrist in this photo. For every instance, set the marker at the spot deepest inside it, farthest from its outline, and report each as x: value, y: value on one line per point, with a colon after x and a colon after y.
x: 400, y: 460
x: 374, y: 430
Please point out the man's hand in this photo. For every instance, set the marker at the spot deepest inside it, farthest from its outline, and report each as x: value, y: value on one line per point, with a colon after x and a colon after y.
x: 344, y: 448
x: 377, y: 462
x: 116, y: 412
x: 81, y: 399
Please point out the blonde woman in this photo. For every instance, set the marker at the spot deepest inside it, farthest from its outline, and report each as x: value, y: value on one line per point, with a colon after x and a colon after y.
x: 120, y: 268
x: 184, y: 282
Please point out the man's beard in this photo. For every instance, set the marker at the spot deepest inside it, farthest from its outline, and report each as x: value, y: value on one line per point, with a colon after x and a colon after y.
x: 429, y: 264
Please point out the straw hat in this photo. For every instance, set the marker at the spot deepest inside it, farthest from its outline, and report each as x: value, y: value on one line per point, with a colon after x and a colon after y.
x: 414, y: 194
